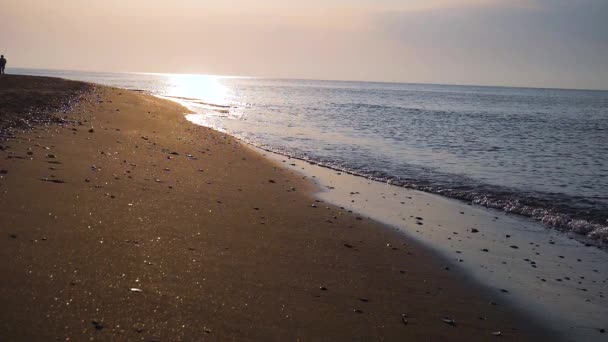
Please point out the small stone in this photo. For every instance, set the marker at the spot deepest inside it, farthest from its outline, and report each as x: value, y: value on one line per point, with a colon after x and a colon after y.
x: 474, y: 230
x: 135, y: 289
x: 58, y: 181
x: 449, y: 321
x: 97, y: 325
x: 497, y: 333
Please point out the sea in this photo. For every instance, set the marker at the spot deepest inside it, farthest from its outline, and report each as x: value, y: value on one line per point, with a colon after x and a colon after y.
x: 539, y: 153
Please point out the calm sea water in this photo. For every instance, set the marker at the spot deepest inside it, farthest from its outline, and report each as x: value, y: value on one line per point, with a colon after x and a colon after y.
x: 542, y: 153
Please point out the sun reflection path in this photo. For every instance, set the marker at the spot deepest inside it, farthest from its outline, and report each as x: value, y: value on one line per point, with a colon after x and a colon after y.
x: 206, y: 88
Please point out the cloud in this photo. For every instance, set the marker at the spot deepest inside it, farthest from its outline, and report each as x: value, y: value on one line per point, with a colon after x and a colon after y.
x: 551, y: 41
x: 441, y: 5
x: 508, y: 42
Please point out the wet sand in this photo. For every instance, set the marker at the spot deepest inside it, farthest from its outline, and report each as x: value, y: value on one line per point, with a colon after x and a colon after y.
x: 124, y: 221
x: 549, y: 274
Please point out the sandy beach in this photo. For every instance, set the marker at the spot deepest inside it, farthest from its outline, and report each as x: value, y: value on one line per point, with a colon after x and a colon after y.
x: 121, y: 220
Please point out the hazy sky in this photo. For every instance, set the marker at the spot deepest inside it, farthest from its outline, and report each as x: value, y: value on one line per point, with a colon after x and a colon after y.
x: 551, y: 43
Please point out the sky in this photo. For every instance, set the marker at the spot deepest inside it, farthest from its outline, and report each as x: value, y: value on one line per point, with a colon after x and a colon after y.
x: 533, y: 43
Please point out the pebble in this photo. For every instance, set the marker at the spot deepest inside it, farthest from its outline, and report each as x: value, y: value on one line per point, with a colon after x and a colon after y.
x: 97, y: 325
x: 449, y: 321
x: 52, y: 180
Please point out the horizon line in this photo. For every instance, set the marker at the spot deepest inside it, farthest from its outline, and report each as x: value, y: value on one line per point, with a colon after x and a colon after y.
x: 321, y: 80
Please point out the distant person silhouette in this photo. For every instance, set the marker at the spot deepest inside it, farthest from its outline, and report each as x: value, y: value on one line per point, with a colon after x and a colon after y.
x: 2, y: 64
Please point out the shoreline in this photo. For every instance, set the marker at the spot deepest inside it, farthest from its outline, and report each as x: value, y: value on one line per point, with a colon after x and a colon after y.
x: 128, y: 238
x: 575, y: 311
x: 583, y: 230
x: 550, y: 275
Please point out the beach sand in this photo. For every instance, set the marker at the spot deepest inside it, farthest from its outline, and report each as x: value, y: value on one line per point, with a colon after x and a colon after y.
x: 124, y: 221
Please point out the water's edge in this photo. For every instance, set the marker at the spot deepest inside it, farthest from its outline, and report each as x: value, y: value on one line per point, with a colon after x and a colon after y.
x: 532, y: 290
x: 586, y: 231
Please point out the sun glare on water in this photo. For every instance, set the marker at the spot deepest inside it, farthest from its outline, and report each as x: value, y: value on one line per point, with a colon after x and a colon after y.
x: 205, y: 95
x: 205, y: 88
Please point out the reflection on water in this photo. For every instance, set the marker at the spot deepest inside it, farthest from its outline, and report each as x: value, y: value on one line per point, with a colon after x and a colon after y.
x: 206, y: 88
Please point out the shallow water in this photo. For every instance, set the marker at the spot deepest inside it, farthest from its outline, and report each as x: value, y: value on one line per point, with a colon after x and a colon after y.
x: 541, y: 153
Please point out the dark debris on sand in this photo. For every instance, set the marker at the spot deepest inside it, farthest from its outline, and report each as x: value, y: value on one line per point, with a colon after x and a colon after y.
x: 28, y: 102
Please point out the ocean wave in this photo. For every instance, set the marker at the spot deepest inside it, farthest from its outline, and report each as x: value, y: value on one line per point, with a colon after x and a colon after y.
x: 588, y: 225
x: 198, y: 101
x: 592, y: 224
